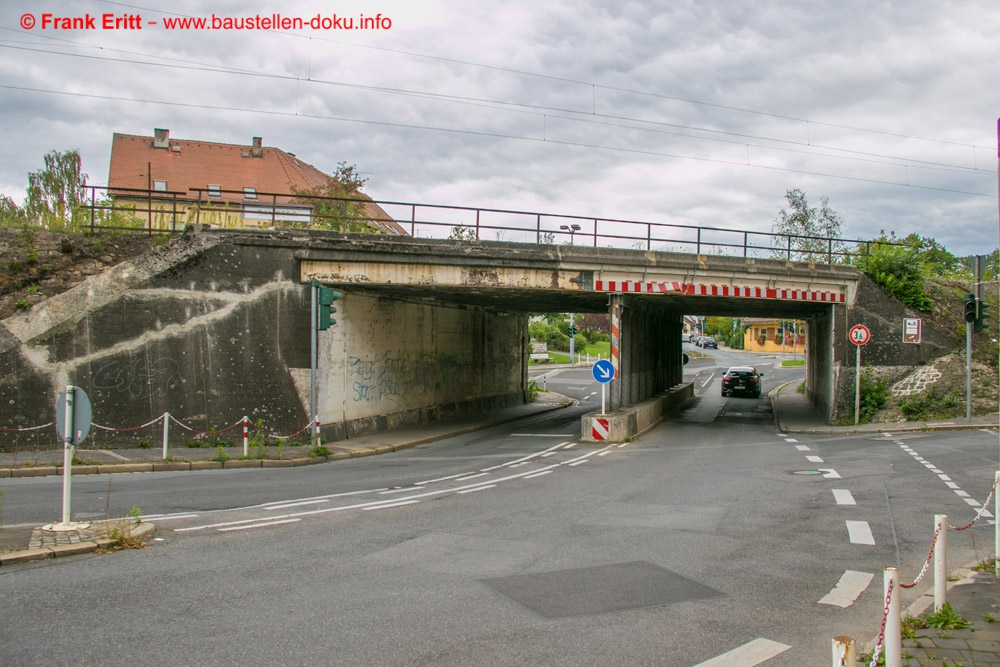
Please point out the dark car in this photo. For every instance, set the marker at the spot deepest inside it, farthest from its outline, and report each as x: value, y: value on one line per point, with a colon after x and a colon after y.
x: 742, y: 379
x: 710, y: 343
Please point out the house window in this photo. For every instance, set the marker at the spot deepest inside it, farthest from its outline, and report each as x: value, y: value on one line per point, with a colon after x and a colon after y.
x: 160, y: 186
x: 250, y: 193
x: 214, y: 190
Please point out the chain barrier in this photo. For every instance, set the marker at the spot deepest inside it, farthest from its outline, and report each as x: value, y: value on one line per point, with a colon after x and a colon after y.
x: 927, y: 562
x: 21, y: 429
x: 982, y: 510
x: 127, y: 429
x: 881, y: 633
x: 197, y: 432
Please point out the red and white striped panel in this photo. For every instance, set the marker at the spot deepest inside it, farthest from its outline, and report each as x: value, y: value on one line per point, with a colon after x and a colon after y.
x: 632, y: 286
x: 599, y: 428
x: 719, y: 290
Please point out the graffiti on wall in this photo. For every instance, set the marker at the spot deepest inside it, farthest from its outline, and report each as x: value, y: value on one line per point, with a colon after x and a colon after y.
x: 140, y: 378
x: 397, y: 374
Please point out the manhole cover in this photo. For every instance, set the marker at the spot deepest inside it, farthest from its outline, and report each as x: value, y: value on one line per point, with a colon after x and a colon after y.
x: 595, y: 590
x: 806, y: 472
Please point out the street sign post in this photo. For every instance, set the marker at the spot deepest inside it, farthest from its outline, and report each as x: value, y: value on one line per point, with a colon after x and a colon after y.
x: 859, y: 335
x: 912, y: 330
x: 604, y: 372
x: 73, y: 417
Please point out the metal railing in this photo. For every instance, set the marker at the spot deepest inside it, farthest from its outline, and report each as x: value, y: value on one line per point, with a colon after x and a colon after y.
x: 152, y: 211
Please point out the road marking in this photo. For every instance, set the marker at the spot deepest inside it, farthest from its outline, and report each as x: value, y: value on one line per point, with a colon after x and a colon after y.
x: 944, y: 478
x: 478, y: 474
x: 814, y: 459
x: 161, y: 517
x: 403, y: 490
x: 578, y: 463
x: 258, y: 525
x: 803, y: 448
x: 539, y: 474
x: 709, y: 379
x: 570, y: 445
x: 384, y: 507
x: 791, y: 440
x: 541, y: 435
x: 480, y: 488
x: 843, y: 497
x: 961, y: 493
x: 851, y: 585
x: 225, y: 524
x: 860, y: 533
x: 748, y: 655
x: 830, y: 473
x: 603, y: 453
x: 298, y: 504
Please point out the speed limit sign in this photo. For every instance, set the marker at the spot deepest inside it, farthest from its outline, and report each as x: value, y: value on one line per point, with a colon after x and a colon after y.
x: 859, y: 334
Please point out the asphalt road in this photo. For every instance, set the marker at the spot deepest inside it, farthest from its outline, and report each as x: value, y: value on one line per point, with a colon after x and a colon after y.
x: 519, y: 545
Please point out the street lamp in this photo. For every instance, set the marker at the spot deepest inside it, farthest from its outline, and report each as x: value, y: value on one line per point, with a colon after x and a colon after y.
x: 572, y: 229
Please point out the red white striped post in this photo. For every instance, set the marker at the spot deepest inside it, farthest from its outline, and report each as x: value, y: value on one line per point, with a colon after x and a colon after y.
x: 316, y: 433
x: 245, y: 434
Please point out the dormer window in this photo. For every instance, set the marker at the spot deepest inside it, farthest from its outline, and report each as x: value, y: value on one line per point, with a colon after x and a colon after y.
x: 159, y: 186
x: 214, y: 190
x: 250, y: 193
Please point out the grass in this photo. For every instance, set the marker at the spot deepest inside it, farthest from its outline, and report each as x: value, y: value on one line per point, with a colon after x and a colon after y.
x: 788, y: 363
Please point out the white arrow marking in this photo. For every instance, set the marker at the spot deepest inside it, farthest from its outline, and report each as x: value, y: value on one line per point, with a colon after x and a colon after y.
x: 830, y: 473
x: 851, y: 585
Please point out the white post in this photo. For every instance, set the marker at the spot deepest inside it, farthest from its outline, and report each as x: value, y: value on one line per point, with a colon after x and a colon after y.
x: 166, y: 433
x: 844, y: 652
x: 857, y: 388
x: 892, y: 641
x: 604, y: 391
x: 246, y: 452
x: 940, y: 561
x: 67, y: 454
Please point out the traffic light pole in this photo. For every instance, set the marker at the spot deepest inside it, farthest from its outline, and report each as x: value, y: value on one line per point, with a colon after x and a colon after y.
x: 968, y: 372
x: 314, y: 344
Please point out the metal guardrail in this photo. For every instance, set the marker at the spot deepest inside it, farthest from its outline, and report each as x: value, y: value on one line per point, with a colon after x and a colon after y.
x: 154, y: 211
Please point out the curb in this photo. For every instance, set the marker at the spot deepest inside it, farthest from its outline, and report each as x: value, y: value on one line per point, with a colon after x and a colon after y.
x: 143, y: 531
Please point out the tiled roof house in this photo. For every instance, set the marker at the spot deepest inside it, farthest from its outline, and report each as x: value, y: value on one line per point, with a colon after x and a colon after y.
x: 176, y: 181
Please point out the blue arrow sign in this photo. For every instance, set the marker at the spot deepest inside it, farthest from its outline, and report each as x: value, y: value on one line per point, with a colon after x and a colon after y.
x: 604, y: 371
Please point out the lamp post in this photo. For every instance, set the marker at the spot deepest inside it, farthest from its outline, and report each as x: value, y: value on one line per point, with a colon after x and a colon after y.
x: 572, y: 229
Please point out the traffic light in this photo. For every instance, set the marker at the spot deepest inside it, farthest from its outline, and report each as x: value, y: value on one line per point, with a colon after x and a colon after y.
x: 981, y: 321
x: 971, y: 313
x: 572, y: 330
x: 325, y: 296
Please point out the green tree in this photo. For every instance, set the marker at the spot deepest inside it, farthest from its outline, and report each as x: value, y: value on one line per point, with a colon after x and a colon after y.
x: 805, y: 233
x: 11, y: 215
x: 898, y: 267
x: 339, y: 203
x: 55, y: 194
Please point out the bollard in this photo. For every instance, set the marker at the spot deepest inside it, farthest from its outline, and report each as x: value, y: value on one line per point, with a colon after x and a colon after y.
x: 844, y: 652
x: 893, y: 640
x: 246, y: 452
x: 940, y: 561
x: 166, y: 435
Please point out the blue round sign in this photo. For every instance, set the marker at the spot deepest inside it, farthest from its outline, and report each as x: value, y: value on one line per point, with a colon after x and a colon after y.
x: 604, y: 371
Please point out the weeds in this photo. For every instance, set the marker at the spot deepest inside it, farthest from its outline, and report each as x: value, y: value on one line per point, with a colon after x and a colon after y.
x: 319, y: 450
x: 946, y: 618
x: 222, y: 456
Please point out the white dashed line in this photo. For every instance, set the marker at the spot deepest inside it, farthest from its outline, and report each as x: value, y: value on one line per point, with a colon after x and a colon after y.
x: 814, y: 459
x: 860, y: 533
x: 803, y: 448
x: 843, y: 497
x: 748, y: 655
x: 851, y: 585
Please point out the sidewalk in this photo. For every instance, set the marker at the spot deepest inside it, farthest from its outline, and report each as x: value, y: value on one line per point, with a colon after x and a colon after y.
x: 20, y: 544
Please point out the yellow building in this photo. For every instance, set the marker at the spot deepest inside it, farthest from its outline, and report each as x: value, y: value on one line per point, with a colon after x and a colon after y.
x: 773, y: 335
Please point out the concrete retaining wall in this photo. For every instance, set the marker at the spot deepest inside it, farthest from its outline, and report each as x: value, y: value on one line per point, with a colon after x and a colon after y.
x: 630, y: 421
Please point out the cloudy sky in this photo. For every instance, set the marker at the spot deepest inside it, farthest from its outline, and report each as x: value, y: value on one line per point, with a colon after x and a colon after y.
x: 697, y: 112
